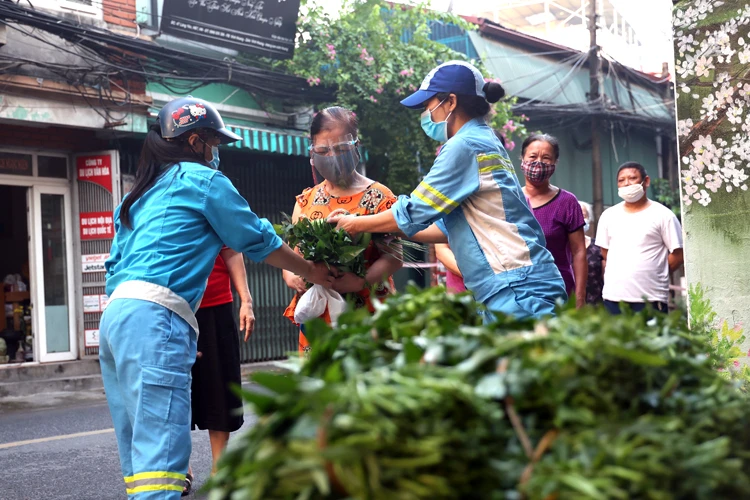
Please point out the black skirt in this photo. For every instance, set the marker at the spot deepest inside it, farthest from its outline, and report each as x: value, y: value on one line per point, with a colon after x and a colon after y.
x: 215, y: 406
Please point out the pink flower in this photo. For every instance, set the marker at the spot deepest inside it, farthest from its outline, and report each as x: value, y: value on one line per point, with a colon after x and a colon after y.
x: 406, y: 72
x: 412, y: 87
x: 366, y: 57
x: 379, y: 90
x: 736, y: 364
x: 511, y: 146
x: 331, y: 51
x: 372, y: 98
x: 399, y: 91
x: 748, y: 353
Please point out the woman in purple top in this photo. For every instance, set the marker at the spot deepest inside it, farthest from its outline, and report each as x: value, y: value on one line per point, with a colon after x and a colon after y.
x: 557, y: 211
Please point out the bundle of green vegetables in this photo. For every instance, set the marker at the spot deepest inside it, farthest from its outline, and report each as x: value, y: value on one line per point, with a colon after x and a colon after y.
x: 320, y: 241
x: 420, y: 401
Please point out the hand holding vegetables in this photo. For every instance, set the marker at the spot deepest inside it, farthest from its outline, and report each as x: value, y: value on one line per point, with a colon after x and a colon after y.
x: 348, y: 283
x: 344, y: 223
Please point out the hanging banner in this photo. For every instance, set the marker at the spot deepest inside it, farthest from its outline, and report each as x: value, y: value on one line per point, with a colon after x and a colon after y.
x: 96, y: 226
x: 96, y: 169
x: 263, y: 27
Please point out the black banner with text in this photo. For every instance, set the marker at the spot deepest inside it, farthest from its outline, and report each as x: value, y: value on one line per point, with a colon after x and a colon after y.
x: 263, y: 27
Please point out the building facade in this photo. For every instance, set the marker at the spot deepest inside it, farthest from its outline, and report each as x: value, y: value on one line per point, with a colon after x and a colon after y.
x: 73, y: 114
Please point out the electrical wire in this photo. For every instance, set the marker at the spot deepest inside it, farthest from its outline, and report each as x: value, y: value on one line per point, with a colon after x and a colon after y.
x: 133, y: 56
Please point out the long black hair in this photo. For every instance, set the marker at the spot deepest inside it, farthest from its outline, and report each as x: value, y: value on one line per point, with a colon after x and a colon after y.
x: 157, y: 156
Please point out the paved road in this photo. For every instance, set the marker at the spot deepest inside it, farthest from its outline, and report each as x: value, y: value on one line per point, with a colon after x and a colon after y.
x: 65, y: 449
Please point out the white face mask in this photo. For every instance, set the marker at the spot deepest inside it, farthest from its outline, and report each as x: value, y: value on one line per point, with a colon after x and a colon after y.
x: 631, y: 193
x: 586, y: 227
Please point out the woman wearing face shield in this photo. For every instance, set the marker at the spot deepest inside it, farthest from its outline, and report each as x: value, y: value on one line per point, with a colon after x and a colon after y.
x: 340, y: 189
x: 168, y: 231
x: 472, y: 196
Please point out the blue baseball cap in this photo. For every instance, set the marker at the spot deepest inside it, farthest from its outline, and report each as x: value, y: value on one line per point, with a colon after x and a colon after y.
x: 457, y: 77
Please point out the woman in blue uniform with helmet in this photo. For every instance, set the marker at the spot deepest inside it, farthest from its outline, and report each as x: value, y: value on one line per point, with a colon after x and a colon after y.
x: 168, y: 231
x: 472, y: 196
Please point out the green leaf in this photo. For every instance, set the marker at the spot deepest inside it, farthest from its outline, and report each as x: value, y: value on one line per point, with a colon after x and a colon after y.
x: 278, y: 383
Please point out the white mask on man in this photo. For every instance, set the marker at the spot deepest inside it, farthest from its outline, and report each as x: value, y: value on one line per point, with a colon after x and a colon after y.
x: 631, y: 193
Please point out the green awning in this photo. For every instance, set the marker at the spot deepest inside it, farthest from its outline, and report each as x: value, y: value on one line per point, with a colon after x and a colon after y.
x: 271, y: 140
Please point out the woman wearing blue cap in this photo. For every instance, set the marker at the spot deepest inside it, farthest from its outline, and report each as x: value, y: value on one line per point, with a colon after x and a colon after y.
x: 472, y: 196
x: 168, y: 231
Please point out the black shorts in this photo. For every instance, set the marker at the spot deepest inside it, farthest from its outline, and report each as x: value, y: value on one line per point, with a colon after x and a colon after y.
x: 215, y: 406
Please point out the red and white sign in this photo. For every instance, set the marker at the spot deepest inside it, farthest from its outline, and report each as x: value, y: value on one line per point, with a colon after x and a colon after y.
x: 91, y: 338
x: 97, y: 226
x: 96, y: 169
x: 94, y: 263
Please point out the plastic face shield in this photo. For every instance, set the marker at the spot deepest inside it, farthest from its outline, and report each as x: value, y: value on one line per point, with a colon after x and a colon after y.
x: 339, y: 146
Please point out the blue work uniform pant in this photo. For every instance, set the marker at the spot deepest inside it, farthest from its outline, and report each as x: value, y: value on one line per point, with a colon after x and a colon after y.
x: 146, y: 353
x: 533, y: 297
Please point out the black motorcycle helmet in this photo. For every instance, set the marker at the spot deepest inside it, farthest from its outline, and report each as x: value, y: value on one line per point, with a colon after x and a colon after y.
x: 188, y: 113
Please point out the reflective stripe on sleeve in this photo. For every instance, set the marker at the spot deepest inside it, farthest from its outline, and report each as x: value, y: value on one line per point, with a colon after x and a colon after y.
x: 434, y: 198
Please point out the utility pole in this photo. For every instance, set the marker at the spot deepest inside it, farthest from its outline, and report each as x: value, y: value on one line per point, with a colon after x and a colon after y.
x: 596, y: 122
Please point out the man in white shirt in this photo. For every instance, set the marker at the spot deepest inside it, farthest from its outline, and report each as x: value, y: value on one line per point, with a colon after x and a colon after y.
x: 641, y: 242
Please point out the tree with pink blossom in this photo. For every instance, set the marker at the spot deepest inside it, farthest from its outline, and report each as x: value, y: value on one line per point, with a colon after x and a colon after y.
x: 375, y: 54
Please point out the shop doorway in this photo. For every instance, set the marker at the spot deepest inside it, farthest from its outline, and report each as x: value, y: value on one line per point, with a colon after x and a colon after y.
x: 38, y: 315
x: 16, y: 327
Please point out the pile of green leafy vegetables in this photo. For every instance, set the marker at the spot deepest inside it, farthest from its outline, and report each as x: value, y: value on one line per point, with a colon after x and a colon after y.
x: 422, y: 401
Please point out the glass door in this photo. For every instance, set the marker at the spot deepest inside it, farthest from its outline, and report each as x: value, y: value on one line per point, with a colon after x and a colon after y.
x: 53, y: 250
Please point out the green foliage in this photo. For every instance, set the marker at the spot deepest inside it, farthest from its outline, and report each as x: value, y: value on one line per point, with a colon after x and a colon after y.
x: 420, y: 401
x: 363, y: 53
x: 664, y: 194
x: 320, y: 241
x: 725, y: 341
x: 510, y: 125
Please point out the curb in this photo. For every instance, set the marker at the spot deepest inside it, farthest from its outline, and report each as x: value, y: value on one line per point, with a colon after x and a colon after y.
x: 247, y: 369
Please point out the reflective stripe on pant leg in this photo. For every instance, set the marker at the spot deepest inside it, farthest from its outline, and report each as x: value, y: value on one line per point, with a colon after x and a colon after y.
x: 154, y: 481
x: 161, y: 430
x: 156, y: 350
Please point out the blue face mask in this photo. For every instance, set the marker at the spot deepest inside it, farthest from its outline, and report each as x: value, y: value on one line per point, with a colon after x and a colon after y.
x: 437, y: 131
x: 215, y: 157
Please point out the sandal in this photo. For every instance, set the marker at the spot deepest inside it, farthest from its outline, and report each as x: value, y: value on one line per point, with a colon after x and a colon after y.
x: 188, y: 484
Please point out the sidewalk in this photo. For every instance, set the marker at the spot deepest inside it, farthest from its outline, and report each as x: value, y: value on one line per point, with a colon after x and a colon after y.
x: 36, y: 401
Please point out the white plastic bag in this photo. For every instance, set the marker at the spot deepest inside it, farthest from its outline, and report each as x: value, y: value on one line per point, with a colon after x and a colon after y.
x: 313, y: 304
